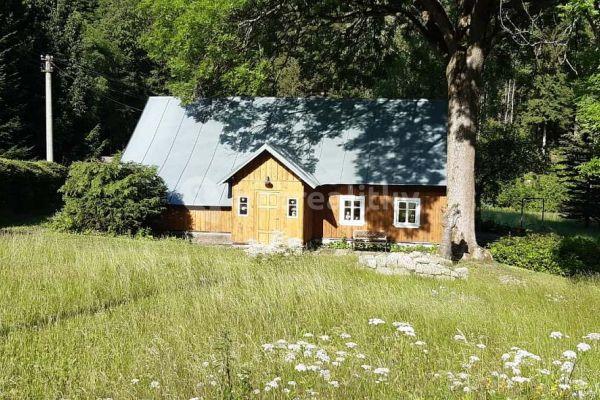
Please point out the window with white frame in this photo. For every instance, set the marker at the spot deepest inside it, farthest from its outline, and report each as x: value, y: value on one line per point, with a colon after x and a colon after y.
x: 352, y: 210
x: 407, y: 212
x: 243, y: 206
x: 292, y: 210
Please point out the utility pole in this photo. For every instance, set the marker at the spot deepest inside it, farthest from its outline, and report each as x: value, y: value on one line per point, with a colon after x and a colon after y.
x: 47, y: 69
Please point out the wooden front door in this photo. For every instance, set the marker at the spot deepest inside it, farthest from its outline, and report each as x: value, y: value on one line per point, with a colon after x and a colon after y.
x: 267, y: 216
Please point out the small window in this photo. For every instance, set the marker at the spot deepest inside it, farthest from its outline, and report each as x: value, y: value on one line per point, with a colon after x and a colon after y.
x: 243, y: 206
x: 352, y: 210
x: 407, y: 212
x: 292, y: 210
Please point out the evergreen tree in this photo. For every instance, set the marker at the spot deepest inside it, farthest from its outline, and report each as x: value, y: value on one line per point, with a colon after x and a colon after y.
x: 580, y: 150
x: 12, y: 136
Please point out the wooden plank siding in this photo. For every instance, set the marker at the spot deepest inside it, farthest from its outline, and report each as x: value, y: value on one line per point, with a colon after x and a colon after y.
x: 250, y: 182
x: 197, y: 219
x: 379, y: 217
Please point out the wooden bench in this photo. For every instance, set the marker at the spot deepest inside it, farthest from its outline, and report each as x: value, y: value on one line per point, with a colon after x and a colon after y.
x: 368, y: 238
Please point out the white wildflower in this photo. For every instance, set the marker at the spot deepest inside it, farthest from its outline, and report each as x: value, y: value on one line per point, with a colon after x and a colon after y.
x: 505, y: 356
x: 345, y: 335
x: 466, y: 389
x: 366, y: 367
x: 569, y: 355
x: 544, y: 371
x: 556, y: 335
x: 351, y: 345
x: 335, y: 363
x: 295, y: 347
x: 212, y: 383
x: 326, y: 374
x: 256, y: 391
x: 420, y: 343
x: 460, y: 338
x: 567, y: 367
x: 300, y: 367
x: 335, y: 384
x: 313, y: 368
x: 592, y: 336
x: 205, y: 364
x: 405, y: 328
x: 289, y: 357
x: 341, y: 353
x: 308, y: 334
x: 381, y: 371
x: 286, y: 390
x: 376, y: 321
x: 361, y: 356
x: 322, y: 355
x: 481, y: 346
x: 520, y: 379
x: 582, y: 347
x: 324, y: 338
x: 268, y: 347
x: 564, y: 386
x: 557, y: 363
x: 135, y: 381
x: 579, y: 383
x: 154, y: 385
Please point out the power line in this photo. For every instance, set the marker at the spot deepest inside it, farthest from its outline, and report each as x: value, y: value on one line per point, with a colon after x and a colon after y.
x: 101, y: 94
x: 98, y: 74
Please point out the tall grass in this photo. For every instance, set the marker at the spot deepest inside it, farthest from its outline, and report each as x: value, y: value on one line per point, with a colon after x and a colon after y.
x: 83, y: 316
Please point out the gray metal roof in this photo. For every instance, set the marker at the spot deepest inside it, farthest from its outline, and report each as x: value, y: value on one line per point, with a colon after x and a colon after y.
x: 323, y: 141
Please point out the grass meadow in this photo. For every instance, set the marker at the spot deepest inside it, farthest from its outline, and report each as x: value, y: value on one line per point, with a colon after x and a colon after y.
x: 553, y: 222
x: 87, y: 317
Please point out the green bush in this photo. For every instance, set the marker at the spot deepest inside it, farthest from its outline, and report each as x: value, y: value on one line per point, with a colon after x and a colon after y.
x: 29, y: 187
x: 117, y: 198
x: 549, y: 253
x: 546, y: 186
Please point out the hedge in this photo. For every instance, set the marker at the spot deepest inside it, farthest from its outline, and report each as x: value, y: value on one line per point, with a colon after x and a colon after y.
x: 30, y: 187
x: 549, y: 253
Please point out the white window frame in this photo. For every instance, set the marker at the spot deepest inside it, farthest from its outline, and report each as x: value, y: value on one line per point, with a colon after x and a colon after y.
x: 397, y: 201
x: 287, y: 209
x: 239, y: 203
x: 352, y: 198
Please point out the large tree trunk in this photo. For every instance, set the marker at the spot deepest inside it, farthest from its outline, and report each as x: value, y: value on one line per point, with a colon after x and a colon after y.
x: 463, y: 75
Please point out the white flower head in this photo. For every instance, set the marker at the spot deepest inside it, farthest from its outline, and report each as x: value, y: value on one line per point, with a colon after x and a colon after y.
x: 420, y: 343
x: 154, y: 385
x: 544, y: 371
x: 592, y: 336
x: 291, y: 383
x: 308, y: 335
x: 481, y: 346
x: 583, y: 347
x: 135, y: 381
x: 460, y: 338
x: 345, y: 335
x: 556, y: 335
x: 405, y: 328
x: 335, y: 384
x: 520, y: 379
x: 351, y: 345
x: 324, y: 338
x: 366, y: 367
x: 361, y: 356
x: 381, y: 371
x: 268, y: 347
x: 376, y: 321
x: 569, y: 355
x: 300, y: 368
x: 567, y: 367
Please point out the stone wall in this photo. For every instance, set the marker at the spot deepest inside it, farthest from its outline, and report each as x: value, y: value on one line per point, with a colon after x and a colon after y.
x: 415, y: 263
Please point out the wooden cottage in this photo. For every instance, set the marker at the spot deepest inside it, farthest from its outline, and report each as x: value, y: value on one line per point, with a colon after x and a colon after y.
x: 265, y: 169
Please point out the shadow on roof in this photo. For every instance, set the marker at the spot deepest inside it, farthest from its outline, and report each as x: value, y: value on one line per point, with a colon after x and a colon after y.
x: 384, y: 140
